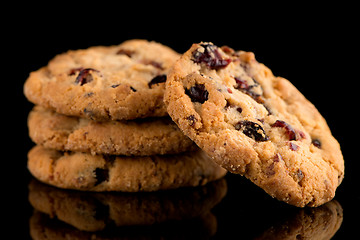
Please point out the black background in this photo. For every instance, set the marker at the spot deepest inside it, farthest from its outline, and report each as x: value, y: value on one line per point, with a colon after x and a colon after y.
x: 311, y: 46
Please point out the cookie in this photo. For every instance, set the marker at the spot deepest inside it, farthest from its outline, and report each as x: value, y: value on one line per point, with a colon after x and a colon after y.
x: 91, y: 211
x: 316, y: 223
x: 81, y: 171
x: 254, y: 124
x: 132, y: 138
x: 45, y: 227
x: 105, y: 83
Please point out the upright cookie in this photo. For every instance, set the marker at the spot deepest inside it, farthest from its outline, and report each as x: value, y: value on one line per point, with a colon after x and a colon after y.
x: 81, y: 171
x: 254, y: 124
x: 105, y: 83
x: 139, y: 137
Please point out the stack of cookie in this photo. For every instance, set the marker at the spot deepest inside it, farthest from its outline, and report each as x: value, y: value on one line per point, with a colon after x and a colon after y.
x: 100, y: 123
x: 249, y: 121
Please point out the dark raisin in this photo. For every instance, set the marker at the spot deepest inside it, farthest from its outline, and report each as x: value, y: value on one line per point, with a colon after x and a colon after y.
x: 157, y: 79
x: 239, y: 109
x: 198, y: 93
x: 133, y: 89
x: 252, y: 130
x: 191, y: 120
x: 101, y: 175
x: 115, y: 85
x: 288, y: 129
x: 210, y: 56
x: 85, y: 76
x: 316, y: 143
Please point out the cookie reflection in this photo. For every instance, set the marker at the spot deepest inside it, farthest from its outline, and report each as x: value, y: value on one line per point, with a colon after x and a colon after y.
x: 309, y: 223
x: 92, y: 212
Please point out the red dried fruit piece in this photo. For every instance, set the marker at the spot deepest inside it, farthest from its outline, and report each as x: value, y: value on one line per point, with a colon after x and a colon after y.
x: 198, y: 93
x: 288, y: 129
x: 85, y: 76
x: 157, y: 79
x: 210, y: 56
x: 246, y: 88
x: 252, y: 130
x: 293, y: 146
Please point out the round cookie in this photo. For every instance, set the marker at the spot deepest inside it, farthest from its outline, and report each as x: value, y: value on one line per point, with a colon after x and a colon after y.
x: 81, y: 171
x: 139, y: 137
x: 105, y: 83
x: 254, y: 124
x: 91, y: 211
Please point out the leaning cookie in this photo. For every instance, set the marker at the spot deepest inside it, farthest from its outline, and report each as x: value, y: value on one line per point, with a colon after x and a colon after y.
x: 141, y: 137
x: 81, y: 171
x: 254, y: 124
x: 102, y: 83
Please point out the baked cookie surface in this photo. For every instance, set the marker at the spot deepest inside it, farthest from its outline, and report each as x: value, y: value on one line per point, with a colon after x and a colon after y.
x: 105, y: 83
x: 141, y: 137
x: 81, y: 171
x: 254, y: 124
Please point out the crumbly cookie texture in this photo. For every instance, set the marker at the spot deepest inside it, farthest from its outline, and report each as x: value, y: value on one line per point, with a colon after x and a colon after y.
x: 105, y: 83
x: 254, y: 124
x: 140, y: 137
x: 81, y: 171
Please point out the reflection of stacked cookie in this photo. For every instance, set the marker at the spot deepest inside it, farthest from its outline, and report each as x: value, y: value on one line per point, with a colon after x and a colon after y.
x: 99, y: 105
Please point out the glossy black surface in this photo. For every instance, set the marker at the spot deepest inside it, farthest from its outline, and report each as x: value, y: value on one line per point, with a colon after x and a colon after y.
x: 309, y: 49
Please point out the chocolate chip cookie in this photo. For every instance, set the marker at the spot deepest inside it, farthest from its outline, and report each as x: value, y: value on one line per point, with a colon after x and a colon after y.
x: 254, y: 124
x: 140, y: 137
x: 105, y: 83
x: 81, y: 171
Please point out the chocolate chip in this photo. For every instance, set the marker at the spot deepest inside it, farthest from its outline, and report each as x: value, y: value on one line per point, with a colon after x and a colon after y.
x: 252, y: 130
x: 101, y: 175
x: 210, y: 56
x: 316, y: 143
x: 198, y: 93
x: 158, y: 79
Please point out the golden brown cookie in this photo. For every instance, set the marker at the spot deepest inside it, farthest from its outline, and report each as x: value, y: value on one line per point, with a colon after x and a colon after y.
x: 105, y: 83
x: 254, y: 124
x: 139, y: 137
x: 82, y: 171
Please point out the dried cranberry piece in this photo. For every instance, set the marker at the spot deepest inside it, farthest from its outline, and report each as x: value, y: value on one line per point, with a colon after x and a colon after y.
x: 246, y: 88
x: 198, y: 93
x: 293, y: 146
x: 252, y: 130
x: 85, y: 76
x: 316, y: 143
x: 288, y: 129
x: 210, y: 56
x: 157, y: 79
